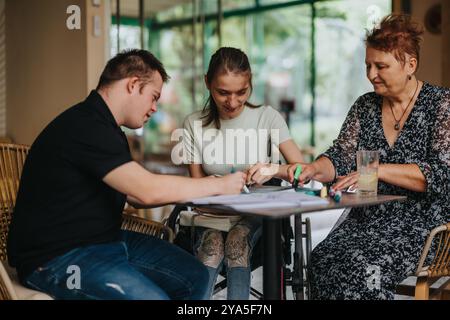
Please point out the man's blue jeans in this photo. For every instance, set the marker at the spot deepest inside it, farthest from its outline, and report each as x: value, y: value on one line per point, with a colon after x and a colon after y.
x: 137, y: 267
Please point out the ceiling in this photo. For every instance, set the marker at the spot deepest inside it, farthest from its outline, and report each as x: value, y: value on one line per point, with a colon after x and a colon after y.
x: 130, y: 8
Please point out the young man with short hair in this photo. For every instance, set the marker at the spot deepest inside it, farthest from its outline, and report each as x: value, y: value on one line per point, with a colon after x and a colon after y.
x: 74, y: 185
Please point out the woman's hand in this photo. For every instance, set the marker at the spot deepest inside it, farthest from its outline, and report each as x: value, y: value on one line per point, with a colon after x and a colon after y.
x: 345, y: 182
x: 261, y: 172
x: 309, y: 171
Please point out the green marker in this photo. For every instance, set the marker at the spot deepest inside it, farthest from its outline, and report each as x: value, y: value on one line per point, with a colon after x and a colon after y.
x: 297, y: 173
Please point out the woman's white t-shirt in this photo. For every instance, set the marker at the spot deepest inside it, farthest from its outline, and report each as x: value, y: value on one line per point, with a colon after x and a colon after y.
x: 253, y: 136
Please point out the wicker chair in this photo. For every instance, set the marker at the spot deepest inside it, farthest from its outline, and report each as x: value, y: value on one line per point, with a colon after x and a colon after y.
x: 439, y: 268
x: 148, y: 227
x: 12, y: 158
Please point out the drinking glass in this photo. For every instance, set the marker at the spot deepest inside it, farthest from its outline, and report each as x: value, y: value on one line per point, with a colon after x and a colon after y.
x: 367, y: 164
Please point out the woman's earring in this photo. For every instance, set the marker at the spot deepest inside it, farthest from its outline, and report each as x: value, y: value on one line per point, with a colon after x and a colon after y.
x: 409, y: 77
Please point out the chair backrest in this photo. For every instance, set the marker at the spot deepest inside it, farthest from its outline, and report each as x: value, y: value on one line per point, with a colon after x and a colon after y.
x: 145, y: 226
x: 440, y: 267
x: 12, y: 158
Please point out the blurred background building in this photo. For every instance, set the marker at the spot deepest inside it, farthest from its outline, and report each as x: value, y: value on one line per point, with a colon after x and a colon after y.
x: 307, y: 58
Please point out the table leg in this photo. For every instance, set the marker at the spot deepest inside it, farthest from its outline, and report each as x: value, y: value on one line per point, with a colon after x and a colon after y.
x: 272, y: 268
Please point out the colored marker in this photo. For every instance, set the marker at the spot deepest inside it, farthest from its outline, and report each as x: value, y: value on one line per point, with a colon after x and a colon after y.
x: 323, y: 192
x: 297, y: 173
x: 338, y: 196
x: 332, y: 193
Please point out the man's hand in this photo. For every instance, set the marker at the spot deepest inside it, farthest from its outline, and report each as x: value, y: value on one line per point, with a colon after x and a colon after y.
x: 232, y: 183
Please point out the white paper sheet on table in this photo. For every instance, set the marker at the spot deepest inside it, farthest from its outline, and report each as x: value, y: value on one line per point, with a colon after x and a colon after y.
x: 277, y: 199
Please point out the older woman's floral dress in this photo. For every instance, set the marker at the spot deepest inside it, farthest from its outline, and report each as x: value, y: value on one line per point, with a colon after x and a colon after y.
x: 377, y: 247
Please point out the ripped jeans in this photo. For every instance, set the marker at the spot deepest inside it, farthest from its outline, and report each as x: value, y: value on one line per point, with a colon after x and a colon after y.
x: 138, y: 267
x: 233, y: 250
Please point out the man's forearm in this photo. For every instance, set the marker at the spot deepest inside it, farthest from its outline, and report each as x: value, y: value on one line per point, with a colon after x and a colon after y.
x: 148, y: 189
x: 170, y: 189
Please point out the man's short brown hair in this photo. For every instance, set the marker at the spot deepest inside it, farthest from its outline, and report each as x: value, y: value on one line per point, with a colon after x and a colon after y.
x: 132, y: 63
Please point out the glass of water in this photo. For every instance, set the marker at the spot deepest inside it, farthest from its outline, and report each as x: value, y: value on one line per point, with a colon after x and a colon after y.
x: 367, y: 164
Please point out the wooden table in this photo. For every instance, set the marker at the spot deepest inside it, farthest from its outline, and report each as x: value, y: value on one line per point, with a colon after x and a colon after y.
x: 271, y: 233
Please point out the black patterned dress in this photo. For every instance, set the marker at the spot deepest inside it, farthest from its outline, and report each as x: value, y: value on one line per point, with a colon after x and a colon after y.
x: 377, y: 247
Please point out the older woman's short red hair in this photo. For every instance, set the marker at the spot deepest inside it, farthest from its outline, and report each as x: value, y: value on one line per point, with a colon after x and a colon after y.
x: 397, y: 34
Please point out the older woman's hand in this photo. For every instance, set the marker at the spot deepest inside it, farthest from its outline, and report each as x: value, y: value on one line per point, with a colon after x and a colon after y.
x: 308, y: 172
x: 261, y: 172
x: 345, y: 182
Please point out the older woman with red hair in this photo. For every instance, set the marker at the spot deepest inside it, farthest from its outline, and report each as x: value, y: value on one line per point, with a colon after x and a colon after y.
x: 408, y: 122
